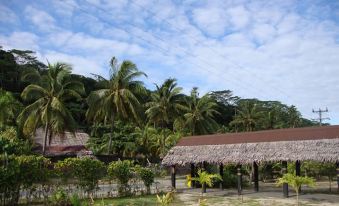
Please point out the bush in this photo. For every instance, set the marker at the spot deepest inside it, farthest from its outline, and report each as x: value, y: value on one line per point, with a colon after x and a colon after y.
x: 11, y: 144
x: 122, y: 172
x: 60, y: 198
x: 147, y: 176
x: 86, y: 170
x: 21, y: 171
x: 229, y: 179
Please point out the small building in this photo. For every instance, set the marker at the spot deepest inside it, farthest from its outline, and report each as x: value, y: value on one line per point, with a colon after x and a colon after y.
x: 280, y: 145
x: 66, y: 145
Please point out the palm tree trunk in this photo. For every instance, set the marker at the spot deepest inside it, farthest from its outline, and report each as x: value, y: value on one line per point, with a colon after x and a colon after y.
x: 45, y: 140
x: 111, y: 136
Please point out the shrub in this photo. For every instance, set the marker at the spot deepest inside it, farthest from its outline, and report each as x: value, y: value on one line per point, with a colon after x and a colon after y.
x: 60, y: 198
x: 147, y: 176
x: 11, y: 144
x: 122, y: 172
x: 21, y: 171
x: 86, y: 170
x: 229, y: 179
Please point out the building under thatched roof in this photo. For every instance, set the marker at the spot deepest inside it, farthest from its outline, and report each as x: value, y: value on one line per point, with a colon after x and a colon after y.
x: 63, y: 145
x: 295, y: 144
x: 311, y: 143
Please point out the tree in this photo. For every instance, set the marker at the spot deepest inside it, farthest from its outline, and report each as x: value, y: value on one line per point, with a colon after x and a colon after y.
x: 9, y: 108
x: 295, y: 182
x: 118, y: 96
x: 204, y: 178
x: 47, y: 98
x: 294, y: 117
x: 248, y: 115
x: 166, y: 104
x: 200, y: 114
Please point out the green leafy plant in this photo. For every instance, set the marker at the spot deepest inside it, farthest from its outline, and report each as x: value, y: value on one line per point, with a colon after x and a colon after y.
x: 165, y: 199
x: 122, y: 172
x: 147, y: 176
x: 86, y: 170
x: 206, y: 178
x: 296, y: 182
x: 75, y: 200
x: 60, y: 198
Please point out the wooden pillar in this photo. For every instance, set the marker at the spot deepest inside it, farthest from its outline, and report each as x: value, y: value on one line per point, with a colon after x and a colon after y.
x: 255, y: 177
x: 297, y: 170
x: 337, y: 163
x: 284, y: 171
x: 173, y: 176
x: 204, y: 166
x: 239, y: 179
x: 193, y: 175
x: 221, y: 173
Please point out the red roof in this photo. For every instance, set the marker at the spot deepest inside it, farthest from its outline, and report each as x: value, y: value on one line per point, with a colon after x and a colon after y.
x: 291, y: 134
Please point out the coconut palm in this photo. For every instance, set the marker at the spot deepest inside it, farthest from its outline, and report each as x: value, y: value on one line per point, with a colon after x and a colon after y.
x: 248, y: 116
x: 118, y: 96
x: 48, y: 96
x: 200, y: 113
x: 166, y: 104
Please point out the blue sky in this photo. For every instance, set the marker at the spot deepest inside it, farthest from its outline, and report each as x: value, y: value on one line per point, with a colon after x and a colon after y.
x: 272, y: 50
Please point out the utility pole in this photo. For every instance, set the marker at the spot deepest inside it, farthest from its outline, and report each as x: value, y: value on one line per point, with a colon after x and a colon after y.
x: 320, y: 113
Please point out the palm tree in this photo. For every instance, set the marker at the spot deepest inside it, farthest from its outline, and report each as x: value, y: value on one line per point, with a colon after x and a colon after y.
x: 9, y: 108
x: 118, y: 97
x: 166, y: 104
x: 48, y: 96
x: 294, y: 117
x: 204, y: 178
x: 247, y: 115
x: 200, y: 113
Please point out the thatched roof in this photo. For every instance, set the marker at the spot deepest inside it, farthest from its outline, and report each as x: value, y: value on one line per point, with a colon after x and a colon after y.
x: 66, y: 144
x: 313, y: 143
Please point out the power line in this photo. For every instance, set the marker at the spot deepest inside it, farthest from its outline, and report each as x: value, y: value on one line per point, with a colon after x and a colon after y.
x: 320, y: 118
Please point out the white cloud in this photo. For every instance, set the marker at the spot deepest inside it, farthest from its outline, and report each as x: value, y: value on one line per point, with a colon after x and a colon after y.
x: 239, y: 16
x: 20, y: 40
x: 212, y: 20
x: 41, y: 19
x: 8, y: 16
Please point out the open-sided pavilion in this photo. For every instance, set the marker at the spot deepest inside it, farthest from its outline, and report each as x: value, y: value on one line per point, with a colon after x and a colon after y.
x: 281, y: 145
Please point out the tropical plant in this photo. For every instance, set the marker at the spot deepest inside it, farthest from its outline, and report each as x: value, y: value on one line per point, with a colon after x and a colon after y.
x: 294, y: 117
x: 204, y: 178
x: 11, y: 144
x: 122, y: 172
x: 295, y: 182
x: 86, y: 170
x: 247, y: 116
x: 118, y: 96
x: 9, y: 108
x: 166, y: 199
x: 166, y: 104
x: 200, y: 112
x: 48, y: 97
x: 147, y: 176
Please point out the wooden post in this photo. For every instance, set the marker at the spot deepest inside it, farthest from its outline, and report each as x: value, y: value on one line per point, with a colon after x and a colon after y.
x: 284, y: 171
x: 239, y: 179
x: 337, y: 163
x: 255, y: 177
x: 221, y: 173
x: 173, y: 176
x: 192, y: 175
x: 297, y: 170
x: 204, y: 165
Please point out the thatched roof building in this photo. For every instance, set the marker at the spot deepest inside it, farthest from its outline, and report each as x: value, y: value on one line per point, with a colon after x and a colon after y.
x: 311, y: 143
x: 63, y: 145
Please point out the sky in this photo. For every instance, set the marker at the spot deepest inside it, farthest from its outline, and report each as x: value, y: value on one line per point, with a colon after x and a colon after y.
x: 271, y: 50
